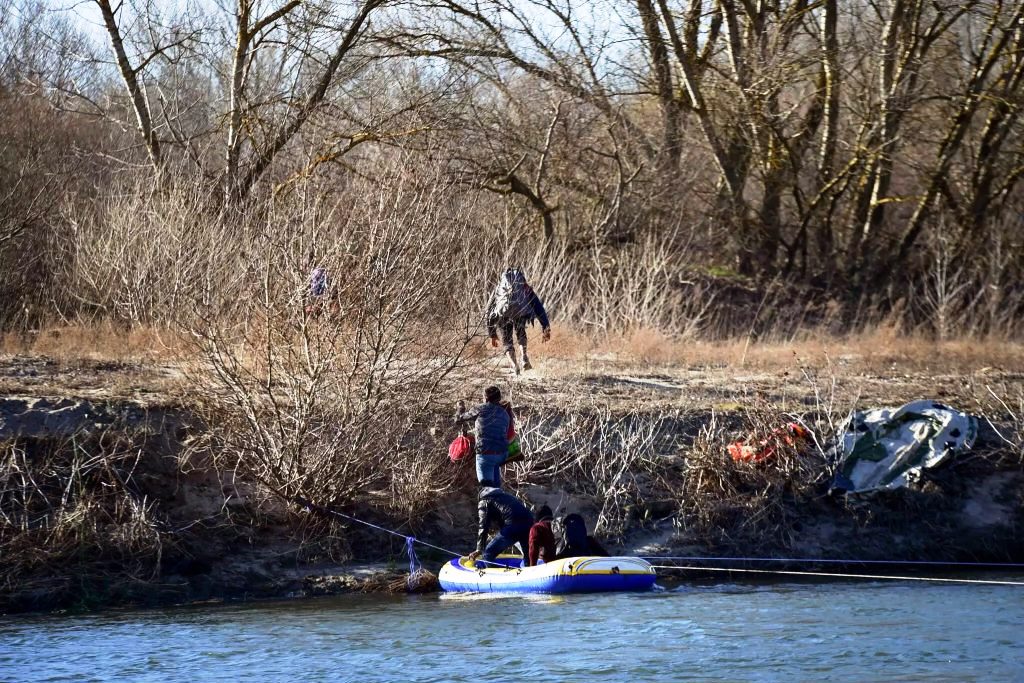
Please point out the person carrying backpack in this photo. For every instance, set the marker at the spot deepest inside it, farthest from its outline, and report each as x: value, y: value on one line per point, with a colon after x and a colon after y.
x: 492, y: 422
x: 513, y: 304
x: 320, y: 294
x: 499, y: 507
x: 575, y: 540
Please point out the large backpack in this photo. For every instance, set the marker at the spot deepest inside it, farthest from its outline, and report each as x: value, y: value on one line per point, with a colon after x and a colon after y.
x: 574, y: 536
x: 511, y: 297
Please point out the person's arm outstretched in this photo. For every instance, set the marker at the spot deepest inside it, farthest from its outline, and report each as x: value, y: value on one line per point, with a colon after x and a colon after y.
x: 462, y: 415
x: 538, y: 310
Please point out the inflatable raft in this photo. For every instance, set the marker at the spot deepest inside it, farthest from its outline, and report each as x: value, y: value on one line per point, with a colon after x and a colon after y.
x: 569, y: 575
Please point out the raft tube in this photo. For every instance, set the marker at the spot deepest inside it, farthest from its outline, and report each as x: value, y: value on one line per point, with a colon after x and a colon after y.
x: 569, y: 575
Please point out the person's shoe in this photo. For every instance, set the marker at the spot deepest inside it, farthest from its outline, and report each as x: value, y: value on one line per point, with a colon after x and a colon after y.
x: 526, y: 364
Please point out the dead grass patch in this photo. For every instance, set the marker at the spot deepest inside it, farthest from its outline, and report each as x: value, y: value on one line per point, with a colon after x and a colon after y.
x: 879, y: 349
x: 71, y: 506
x: 99, y: 341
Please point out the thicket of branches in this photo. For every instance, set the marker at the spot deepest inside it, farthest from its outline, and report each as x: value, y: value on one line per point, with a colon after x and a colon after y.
x: 865, y: 152
x: 696, y: 167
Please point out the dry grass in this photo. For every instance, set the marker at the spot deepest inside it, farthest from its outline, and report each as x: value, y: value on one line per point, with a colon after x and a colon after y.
x: 103, y: 340
x: 72, y: 507
x: 104, y: 361
x: 879, y: 349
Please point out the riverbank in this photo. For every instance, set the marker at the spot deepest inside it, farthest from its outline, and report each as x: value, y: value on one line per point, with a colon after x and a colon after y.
x: 117, y: 507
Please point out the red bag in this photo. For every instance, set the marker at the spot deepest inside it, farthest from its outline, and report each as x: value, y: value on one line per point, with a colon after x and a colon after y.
x: 460, y: 448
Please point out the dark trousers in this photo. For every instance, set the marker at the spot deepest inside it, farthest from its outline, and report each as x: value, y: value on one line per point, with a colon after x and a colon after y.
x: 518, y: 532
x: 507, y: 327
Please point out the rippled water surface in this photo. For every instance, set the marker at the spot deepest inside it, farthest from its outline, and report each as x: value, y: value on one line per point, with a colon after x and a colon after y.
x: 777, y: 632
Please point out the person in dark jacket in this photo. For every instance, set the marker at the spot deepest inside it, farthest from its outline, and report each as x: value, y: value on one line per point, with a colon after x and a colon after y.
x: 513, y: 304
x: 500, y: 507
x: 542, y: 539
x: 491, y: 423
x: 575, y: 540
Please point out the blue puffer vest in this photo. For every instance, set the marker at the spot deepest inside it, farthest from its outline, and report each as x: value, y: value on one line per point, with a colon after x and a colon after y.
x: 491, y: 429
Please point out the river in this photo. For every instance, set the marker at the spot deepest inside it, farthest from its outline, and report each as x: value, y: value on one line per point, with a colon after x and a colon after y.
x: 844, y: 631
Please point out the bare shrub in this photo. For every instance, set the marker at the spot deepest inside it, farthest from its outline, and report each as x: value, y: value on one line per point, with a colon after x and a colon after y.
x: 1002, y: 411
x: 613, y: 458
x: 72, y: 503
x: 756, y: 503
x: 946, y: 289
x: 604, y: 291
x: 147, y: 253
x: 326, y: 398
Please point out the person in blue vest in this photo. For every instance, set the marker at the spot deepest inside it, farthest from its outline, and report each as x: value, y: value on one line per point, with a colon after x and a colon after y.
x: 498, y: 507
x: 491, y: 422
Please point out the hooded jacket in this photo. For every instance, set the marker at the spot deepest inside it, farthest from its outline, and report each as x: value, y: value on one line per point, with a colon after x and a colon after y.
x: 499, y: 507
x: 542, y: 542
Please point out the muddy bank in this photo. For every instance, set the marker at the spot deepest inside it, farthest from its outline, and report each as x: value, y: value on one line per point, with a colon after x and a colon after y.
x: 103, y: 506
x: 104, y: 503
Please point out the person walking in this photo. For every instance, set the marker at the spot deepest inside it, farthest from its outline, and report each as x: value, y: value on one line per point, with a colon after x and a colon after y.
x: 513, y: 305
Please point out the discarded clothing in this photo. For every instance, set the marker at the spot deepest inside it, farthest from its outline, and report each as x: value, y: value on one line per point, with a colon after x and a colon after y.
x: 791, y: 434
x: 885, y: 448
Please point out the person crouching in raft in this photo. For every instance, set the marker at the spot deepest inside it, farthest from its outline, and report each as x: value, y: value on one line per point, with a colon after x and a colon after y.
x: 497, y: 506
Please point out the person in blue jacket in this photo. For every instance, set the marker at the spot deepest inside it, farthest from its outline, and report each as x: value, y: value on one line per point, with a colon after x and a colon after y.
x: 491, y: 422
x: 513, y: 304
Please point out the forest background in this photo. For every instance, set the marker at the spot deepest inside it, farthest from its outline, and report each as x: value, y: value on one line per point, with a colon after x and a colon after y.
x: 652, y: 164
x: 670, y: 174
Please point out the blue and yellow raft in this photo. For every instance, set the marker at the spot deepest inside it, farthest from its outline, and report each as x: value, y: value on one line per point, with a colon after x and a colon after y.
x: 569, y: 575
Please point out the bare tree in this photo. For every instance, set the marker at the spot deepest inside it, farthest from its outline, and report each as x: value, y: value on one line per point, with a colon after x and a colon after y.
x: 284, y: 62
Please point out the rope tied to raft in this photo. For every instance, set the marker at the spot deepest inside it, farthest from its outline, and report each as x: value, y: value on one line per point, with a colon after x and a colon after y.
x: 419, y: 579
x: 825, y: 560
x: 934, y: 579
x: 410, y: 548
x: 302, y: 502
x: 410, y: 541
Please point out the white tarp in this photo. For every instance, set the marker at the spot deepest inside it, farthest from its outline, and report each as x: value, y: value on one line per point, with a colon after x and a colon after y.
x: 885, y: 448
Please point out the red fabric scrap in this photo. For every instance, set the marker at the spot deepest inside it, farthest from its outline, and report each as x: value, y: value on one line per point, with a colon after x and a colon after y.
x: 764, y: 449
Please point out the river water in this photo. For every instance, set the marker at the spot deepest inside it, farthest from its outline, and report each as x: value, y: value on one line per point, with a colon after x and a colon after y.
x: 856, y: 631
